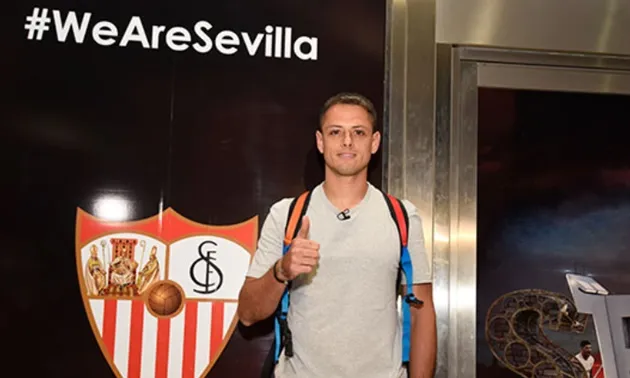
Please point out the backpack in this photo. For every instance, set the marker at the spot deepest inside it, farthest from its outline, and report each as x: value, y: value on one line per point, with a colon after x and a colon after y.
x: 297, y: 210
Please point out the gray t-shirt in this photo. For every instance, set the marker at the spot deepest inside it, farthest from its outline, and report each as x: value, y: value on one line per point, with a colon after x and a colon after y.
x: 344, y: 316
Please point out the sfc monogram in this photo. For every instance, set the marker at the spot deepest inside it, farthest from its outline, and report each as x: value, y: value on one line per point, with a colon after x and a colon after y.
x: 161, y: 293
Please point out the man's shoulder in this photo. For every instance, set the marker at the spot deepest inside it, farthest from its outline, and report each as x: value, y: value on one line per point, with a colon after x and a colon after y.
x: 277, y: 217
x: 410, y: 208
x: 279, y: 210
x: 282, y: 203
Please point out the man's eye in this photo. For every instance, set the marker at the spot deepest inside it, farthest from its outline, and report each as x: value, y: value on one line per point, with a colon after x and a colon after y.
x: 360, y: 132
x: 334, y: 132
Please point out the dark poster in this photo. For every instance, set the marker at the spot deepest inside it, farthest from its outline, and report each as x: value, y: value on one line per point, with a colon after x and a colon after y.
x: 179, y: 122
x: 554, y: 199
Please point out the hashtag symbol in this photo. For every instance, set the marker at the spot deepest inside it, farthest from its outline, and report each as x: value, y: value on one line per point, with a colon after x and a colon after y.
x: 37, y: 22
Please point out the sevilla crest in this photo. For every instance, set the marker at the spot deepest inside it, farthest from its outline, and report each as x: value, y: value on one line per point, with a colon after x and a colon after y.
x: 161, y: 293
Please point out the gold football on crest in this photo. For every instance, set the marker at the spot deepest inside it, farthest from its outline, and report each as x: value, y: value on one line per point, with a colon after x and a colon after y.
x: 165, y: 298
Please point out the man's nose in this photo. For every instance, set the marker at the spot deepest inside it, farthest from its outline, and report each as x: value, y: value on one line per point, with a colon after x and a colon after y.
x: 347, y: 138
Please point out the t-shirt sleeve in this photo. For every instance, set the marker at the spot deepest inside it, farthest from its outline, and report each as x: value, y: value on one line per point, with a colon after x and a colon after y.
x: 269, y: 248
x: 417, y: 248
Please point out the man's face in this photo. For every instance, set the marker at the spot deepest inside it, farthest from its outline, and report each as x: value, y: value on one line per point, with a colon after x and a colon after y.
x: 346, y: 139
x: 586, y: 351
x: 120, y: 268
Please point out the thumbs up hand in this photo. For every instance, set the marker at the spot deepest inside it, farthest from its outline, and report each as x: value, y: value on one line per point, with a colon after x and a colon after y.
x: 303, y: 255
x: 304, y: 230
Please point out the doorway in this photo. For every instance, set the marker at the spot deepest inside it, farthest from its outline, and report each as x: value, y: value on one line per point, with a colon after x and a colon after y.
x: 539, y: 188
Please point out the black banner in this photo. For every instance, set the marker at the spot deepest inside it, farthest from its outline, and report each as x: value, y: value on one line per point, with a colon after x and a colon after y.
x: 180, y: 117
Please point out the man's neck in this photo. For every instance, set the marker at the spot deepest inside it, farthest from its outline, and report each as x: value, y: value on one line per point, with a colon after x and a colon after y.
x: 345, y: 192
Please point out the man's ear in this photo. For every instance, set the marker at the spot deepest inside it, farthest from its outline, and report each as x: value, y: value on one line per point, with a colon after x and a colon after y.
x: 319, y: 138
x: 376, y: 141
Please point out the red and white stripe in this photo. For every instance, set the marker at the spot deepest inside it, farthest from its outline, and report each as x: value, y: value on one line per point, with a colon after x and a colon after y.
x: 144, y: 346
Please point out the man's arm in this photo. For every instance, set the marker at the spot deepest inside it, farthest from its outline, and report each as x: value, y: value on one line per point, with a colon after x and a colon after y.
x: 259, y: 298
x: 260, y: 294
x: 423, y: 320
x: 423, y: 350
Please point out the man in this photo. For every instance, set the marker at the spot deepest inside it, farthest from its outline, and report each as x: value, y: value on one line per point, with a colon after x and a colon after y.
x: 343, y: 315
x: 95, y: 279
x: 150, y: 272
x: 585, y: 357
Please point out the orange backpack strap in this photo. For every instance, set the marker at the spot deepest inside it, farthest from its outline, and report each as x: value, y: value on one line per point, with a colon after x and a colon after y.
x: 283, y: 339
x: 399, y: 215
x: 294, y: 220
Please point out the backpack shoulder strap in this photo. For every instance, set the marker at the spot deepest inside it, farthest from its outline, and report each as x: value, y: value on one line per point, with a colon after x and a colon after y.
x: 401, y: 218
x: 399, y: 215
x: 297, y: 209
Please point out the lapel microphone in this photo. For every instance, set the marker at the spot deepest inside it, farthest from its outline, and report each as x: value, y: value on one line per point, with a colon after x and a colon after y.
x: 344, y: 215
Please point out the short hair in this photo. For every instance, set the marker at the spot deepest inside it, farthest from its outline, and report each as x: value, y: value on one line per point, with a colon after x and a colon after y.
x: 350, y: 98
x: 584, y: 343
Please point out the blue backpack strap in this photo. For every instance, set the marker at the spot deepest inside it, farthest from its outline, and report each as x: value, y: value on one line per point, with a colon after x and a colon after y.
x: 399, y: 214
x: 283, y: 339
